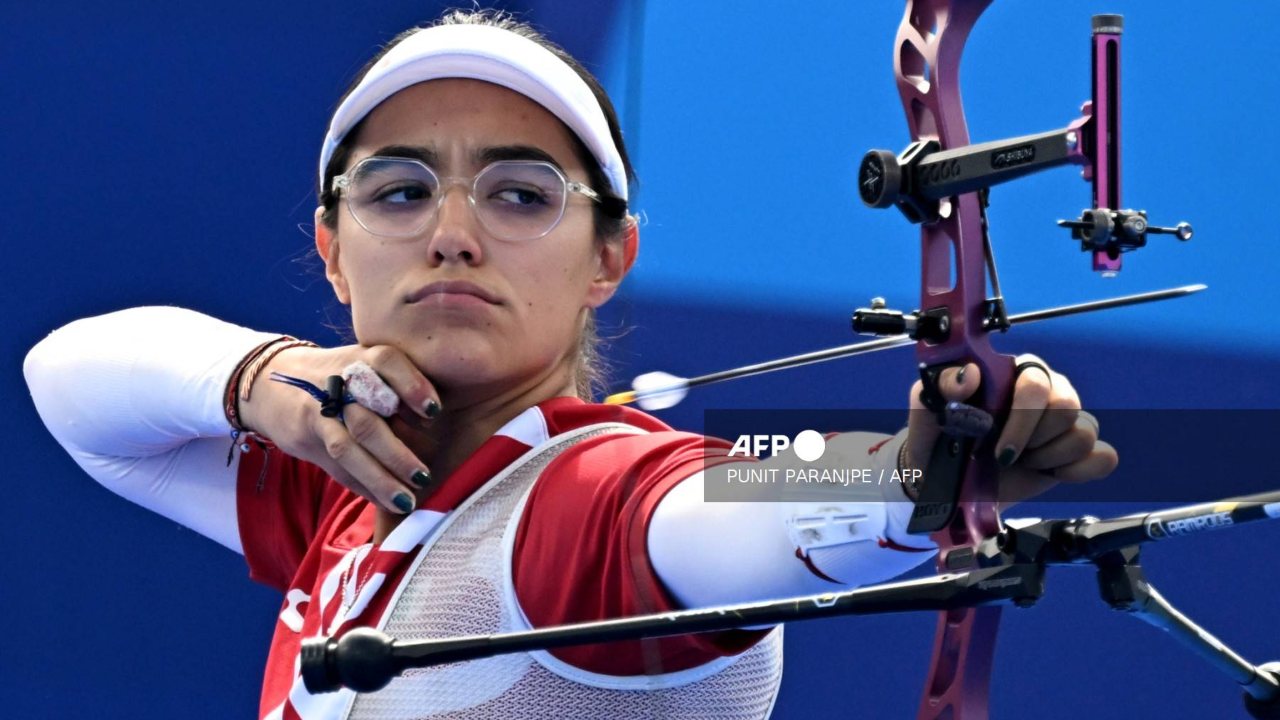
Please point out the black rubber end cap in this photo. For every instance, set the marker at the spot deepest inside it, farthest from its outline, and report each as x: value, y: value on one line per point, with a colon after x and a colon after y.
x: 317, y: 673
x: 1111, y: 24
x: 364, y: 661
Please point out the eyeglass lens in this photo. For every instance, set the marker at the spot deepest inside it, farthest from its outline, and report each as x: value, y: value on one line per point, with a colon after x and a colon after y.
x: 514, y: 200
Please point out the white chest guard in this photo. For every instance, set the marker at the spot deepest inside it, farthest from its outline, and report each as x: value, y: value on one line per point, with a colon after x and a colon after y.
x: 461, y: 584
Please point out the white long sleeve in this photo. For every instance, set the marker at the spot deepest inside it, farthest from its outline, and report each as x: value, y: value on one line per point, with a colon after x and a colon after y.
x: 717, y: 553
x: 135, y: 397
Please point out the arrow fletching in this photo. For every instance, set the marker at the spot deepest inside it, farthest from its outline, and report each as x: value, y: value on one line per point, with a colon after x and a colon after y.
x: 653, y: 391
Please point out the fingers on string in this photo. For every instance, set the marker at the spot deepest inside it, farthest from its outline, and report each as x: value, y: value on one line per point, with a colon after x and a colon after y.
x: 351, y: 448
x: 408, y: 382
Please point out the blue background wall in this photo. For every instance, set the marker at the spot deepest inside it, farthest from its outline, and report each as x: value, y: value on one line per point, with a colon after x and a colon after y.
x: 157, y: 154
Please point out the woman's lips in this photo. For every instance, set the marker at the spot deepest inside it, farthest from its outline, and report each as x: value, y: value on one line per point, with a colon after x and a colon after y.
x: 459, y: 293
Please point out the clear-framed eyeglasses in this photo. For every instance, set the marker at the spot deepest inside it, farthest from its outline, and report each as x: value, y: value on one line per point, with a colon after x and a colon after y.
x: 514, y: 200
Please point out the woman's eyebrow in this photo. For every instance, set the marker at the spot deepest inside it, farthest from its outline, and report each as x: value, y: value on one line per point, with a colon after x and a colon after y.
x: 412, y: 152
x: 484, y: 156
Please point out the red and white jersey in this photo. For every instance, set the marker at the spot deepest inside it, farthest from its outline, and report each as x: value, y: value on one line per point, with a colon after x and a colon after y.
x: 519, y: 535
x: 532, y: 530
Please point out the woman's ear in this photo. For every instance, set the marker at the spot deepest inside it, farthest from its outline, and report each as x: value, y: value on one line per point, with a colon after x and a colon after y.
x: 631, y: 242
x: 327, y: 247
x: 616, y: 260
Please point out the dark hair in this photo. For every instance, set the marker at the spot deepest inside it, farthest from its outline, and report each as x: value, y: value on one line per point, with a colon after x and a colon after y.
x: 610, y: 216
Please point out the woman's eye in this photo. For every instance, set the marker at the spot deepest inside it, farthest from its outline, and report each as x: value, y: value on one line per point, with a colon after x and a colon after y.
x: 521, y: 196
x: 402, y: 194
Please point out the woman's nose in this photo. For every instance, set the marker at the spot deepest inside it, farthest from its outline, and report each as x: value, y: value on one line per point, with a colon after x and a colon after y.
x: 456, y: 235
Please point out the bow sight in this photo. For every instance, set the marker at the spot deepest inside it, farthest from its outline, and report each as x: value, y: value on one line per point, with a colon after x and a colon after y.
x: 925, y: 182
x: 921, y: 178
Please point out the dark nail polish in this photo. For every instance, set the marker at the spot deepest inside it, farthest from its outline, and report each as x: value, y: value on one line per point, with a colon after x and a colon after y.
x: 431, y: 409
x: 960, y: 374
x: 421, y: 478
x: 403, y: 502
x: 1007, y: 456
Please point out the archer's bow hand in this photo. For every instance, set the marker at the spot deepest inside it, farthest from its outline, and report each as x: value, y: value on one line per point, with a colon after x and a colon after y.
x: 1047, y: 439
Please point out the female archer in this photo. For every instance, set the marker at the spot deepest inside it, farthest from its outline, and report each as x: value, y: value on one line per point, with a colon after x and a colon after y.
x: 448, y: 474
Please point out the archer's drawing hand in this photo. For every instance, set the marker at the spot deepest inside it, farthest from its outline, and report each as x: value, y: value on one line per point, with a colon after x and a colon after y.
x: 1048, y: 438
x: 364, y: 451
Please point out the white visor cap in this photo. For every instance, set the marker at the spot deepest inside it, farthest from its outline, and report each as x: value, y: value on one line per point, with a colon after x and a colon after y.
x: 494, y: 55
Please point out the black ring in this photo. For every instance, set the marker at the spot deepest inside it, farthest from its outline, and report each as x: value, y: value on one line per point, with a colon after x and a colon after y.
x: 1017, y: 371
x: 337, y: 391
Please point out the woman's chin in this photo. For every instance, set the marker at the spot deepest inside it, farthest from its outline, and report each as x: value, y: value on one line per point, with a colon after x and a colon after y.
x: 453, y: 369
x: 476, y: 377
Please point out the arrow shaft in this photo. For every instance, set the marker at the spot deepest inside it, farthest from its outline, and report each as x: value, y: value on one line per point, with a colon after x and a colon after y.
x: 895, y: 341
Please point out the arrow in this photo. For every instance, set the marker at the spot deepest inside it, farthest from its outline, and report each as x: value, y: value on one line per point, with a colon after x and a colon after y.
x: 660, y: 390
